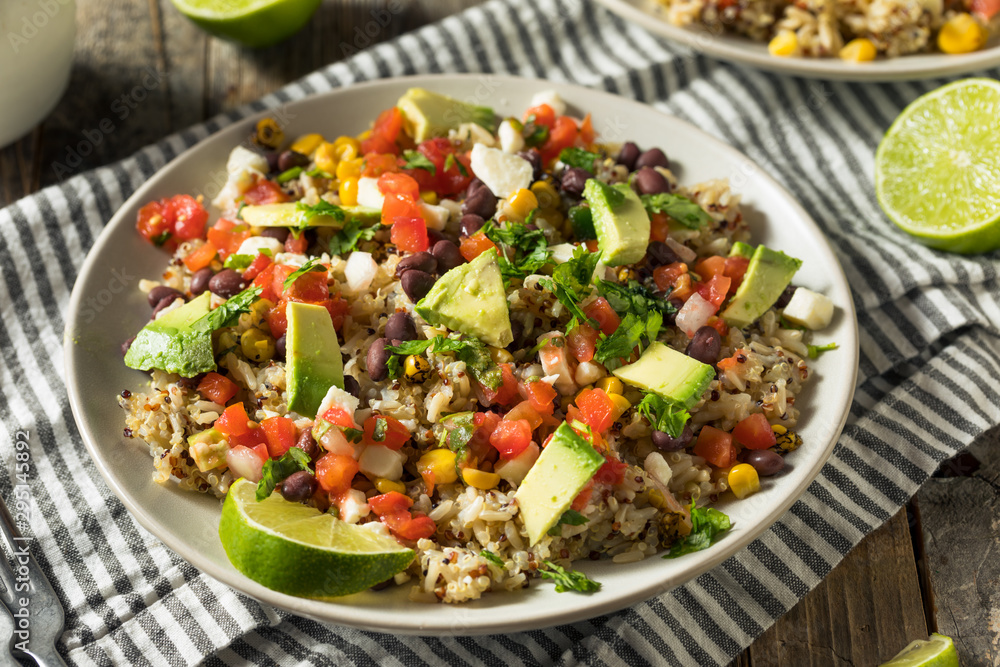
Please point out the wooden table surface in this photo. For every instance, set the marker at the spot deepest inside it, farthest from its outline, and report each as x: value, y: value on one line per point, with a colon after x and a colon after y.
x: 935, y: 566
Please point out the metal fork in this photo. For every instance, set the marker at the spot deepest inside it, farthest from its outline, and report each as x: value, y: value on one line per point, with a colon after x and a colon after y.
x: 38, y: 623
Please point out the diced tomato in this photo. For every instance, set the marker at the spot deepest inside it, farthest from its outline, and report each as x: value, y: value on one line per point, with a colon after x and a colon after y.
x: 612, y: 472
x: 227, y: 236
x: 592, y: 245
x: 562, y: 134
x: 217, y: 388
x: 393, y: 509
x: 338, y: 309
x: 606, y: 317
x: 280, y: 434
x: 201, y: 257
x: 986, y: 8
x: 710, y: 266
x: 252, y: 438
x: 277, y: 319
x: 736, y: 268
x: 715, y: 290
x: 335, y: 472
x: 398, y: 184
x: 659, y: 227
x: 543, y: 113
x: 511, y: 437
x: 475, y: 245
x: 392, y: 432
x: 715, y: 446
x: 525, y: 412
x: 583, y: 497
x: 396, y: 205
x: 582, y: 341
x: 506, y: 393
x: 155, y: 227
x: 754, y: 432
x: 418, y: 527
x: 234, y: 421
x: 445, y: 182
x: 339, y: 417
x: 587, y: 133
x: 410, y: 234
x: 296, y: 243
x: 309, y: 287
x: 376, y: 164
x: 485, y: 423
x: 541, y: 396
x: 596, y: 409
x: 189, y: 217
x: 261, y: 451
x: 264, y: 192
x: 730, y: 362
x: 390, y: 503
x: 667, y: 276
x: 384, y: 133
x: 272, y: 281
x: 719, y: 325
x: 259, y: 263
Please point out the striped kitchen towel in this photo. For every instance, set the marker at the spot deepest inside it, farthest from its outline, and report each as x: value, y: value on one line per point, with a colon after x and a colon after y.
x: 929, y: 355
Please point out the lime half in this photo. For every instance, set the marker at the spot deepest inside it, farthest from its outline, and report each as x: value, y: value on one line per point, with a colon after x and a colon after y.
x: 938, y: 651
x: 937, y: 170
x: 298, y: 550
x: 252, y: 23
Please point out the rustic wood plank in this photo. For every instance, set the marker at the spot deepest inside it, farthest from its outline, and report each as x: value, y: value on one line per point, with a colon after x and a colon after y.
x: 961, y: 526
x: 20, y: 171
x: 863, y: 613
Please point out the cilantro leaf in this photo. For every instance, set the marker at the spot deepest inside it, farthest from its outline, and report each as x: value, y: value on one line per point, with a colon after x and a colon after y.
x: 577, y: 157
x: 229, y: 312
x: 534, y: 134
x: 663, y: 415
x: 278, y: 470
x: 307, y: 212
x: 570, y: 282
x: 492, y: 558
x: 522, y: 251
x: 312, y: 265
x: 642, y: 320
x: 238, y: 262
x: 450, y: 162
x: 681, y: 209
x: 345, y: 240
x: 707, y: 523
x: 417, y: 160
x: 568, y: 580
x: 161, y: 238
x: 470, y: 350
x: 570, y: 518
x: 816, y: 350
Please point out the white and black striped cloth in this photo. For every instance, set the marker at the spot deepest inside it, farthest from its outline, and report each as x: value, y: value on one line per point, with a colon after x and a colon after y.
x: 929, y: 358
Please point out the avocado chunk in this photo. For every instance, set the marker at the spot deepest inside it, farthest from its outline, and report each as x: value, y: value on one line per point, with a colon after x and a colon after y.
x: 170, y: 342
x: 669, y: 373
x: 566, y: 465
x: 312, y: 357
x: 741, y: 249
x: 620, y: 220
x: 430, y: 114
x: 471, y: 298
x: 767, y: 276
x: 290, y: 215
x: 208, y: 449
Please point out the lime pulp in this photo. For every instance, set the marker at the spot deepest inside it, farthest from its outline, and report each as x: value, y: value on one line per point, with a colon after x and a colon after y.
x: 938, y: 651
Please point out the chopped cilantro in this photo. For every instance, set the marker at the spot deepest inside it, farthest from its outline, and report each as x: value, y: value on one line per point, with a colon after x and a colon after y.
x: 238, y: 262
x: 571, y: 282
x: 312, y: 265
x: 663, y: 415
x: 569, y: 518
x: 492, y: 558
x: 345, y: 240
x: 681, y: 209
x: 816, y: 350
x: 577, y: 157
x: 568, y: 580
x: 417, y: 160
x: 523, y: 251
x: 307, y: 212
x: 706, y: 524
x: 278, y: 470
x: 470, y: 350
x: 229, y: 312
x: 642, y: 320
x: 317, y: 172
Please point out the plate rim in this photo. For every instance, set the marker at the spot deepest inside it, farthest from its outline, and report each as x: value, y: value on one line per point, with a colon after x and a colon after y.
x: 364, y: 618
x: 728, y: 49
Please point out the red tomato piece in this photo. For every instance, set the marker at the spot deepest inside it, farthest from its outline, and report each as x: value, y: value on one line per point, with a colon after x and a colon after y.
x: 338, y: 309
x: 587, y: 133
x: 475, y: 245
x: 715, y: 290
x: 410, y: 234
x: 201, y: 257
x: 259, y: 263
x: 339, y: 417
x: 376, y: 164
x: 583, y: 498
x: 399, y: 184
x: 659, y: 227
x: 261, y: 451
x: 612, y: 472
x: 444, y: 181
x: 562, y: 134
x: 277, y: 319
x: 668, y: 275
x: 280, y: 434
x: 296, y: 243
x: 986, y: 8
x: 234, y: 421
x: 335, y: 472
x: 264, y: 192
x: 524, y: 411
x: 189, y: 217
x: 384, y: 133
x: 217, y: 388
x: 754, y: 432
x: 736, y: 268
x: 396, y: 205
x: 719, y: 325
x: 154, y: 226
x: 715, y: 446
x: 596, y: 409
x: 386, y: 431
x: 511, y: 437
x: 606, y: 317
x: 227, y: 236
x: 582, y: 341
x: 541, y: 396
x: 543, y: 113
x: 390, y: 503
x: 485, y: 423
x: 309, y: 287
x: 710, y: 266
x: 418, y: 527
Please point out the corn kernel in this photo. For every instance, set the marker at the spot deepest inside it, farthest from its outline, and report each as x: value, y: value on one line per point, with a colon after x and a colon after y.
x: 346, y: 148
x: 626, y: 274
x: 307, y: 143
x: 440, y: 463
x: 656, y: 499
x: 364, y: 135
x: 779, y: 429
x: 324, y: 158
x: 546, y: 194
x: 788, y: 441
x: 961, y: 34
x: 785, y: 43
x: 429, y: 196
x: 500, y: 355
x: 258, y: 312
x: 256, y: 345
x: 269, y: 134
x: 858, y: 50
x: 621, y: 404
x: 416, y: 369
x: 386, y: 485
x: 348, y: 191
x: 523, y: 202
x: 349, y: 168
x: 611, y: 385
x: 483, y: 481
x: 743, y: 480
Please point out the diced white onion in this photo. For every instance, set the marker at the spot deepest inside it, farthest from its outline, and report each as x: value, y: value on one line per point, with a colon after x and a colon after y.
x: 360, y: 270
x: 380, y: 461
x: 244, y: 462
x: 694, y: 314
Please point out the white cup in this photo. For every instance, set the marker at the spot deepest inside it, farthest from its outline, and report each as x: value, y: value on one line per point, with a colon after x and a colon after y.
x: 36, y: 55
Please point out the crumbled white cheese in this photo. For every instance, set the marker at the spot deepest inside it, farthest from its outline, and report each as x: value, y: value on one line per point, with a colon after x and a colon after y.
x: 253, y: 245
x: 511, y: 140
x: 503, y: 173
x: 809, y: 309
x: 551, y: 98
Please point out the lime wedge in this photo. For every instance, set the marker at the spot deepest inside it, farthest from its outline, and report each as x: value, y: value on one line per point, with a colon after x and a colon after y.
x: 937, y: 170
x: 300, y: 551
x: 252, y: 23
x: 938, y: 651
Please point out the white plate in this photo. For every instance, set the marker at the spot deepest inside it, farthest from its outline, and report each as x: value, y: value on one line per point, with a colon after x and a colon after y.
x: 188, y: 522
x: 741, y: 50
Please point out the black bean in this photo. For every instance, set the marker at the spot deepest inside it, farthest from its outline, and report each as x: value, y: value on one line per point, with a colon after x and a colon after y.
x: 226, y: 283
x: 421, y: 261
x: 280, y: 347
x: 161, y: 292
x: 668, y: 443
x: 785, y: 297
x: 447, y: 255
x: 659, y: 253
x: 516, y: 328
x: 669, y: 319
x: 434, y: 235
x: 298, y: 486
x: 278, y: 233
x: 272, y: 160
x: 705, y: 345
x: 470, y: 224
x: 654, y: 157
x: 307, y: 443
x: 416, y: 284
x: 574, y: 179
x: 628, y: 155
x: 765, y: 462
x: 126, y: 345
x: 382, y: 585
x: 481, y: 202
x: 352, y: 386
x: 199, y: 281
x: 651, y: 182
x: 401, y: 326
x: 378, y: 360
x: 166, y: 301
x: 291, y: 159
x: 473, y: 185
x: 535, y: 158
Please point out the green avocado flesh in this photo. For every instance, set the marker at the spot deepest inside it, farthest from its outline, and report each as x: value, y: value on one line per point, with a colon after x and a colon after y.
x: 621, y: 223
x: 289, y: 215
x: 170, y: 344
x: 767, y: 276
x: 433, y: 115
x: 669, y: 373
x: 313, y: 363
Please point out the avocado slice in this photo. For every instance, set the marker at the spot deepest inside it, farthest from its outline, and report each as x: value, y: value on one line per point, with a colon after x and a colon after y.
x: 741, y: 249
x: 312, y: 357
x: 433, y: 115
x: 471, y: 298
x: 289, y: 215
x: 170, y: 344
x: 669, y: 373
x: 767, y: 276
x: 566, y: 465
x: 620, y: 220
